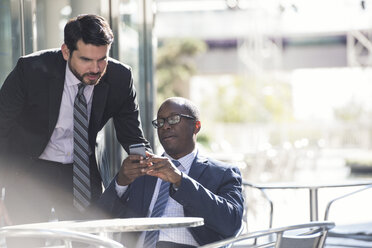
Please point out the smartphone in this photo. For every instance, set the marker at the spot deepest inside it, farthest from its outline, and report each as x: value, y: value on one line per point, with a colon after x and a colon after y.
x: 138, y: 149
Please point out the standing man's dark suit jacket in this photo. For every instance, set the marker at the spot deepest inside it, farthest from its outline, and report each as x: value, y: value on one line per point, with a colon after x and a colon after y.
x: 211, y: 190
x: 30, y: 100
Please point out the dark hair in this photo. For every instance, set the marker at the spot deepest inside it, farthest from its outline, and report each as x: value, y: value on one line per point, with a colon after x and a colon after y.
x: 92, y: 29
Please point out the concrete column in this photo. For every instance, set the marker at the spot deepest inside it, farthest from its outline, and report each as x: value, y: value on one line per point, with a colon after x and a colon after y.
x: 50, y: 23
x: 86, y: 7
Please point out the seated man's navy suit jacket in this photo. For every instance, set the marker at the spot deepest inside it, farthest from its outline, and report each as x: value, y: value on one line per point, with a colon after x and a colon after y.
x: 212, y: 190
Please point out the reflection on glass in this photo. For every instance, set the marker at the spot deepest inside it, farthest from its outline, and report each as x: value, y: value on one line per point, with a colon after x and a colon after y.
x: 9, y: 37
x: 129, y: 42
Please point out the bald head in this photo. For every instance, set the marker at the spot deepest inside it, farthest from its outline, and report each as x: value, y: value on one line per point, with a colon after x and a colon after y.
x: 184, y: 103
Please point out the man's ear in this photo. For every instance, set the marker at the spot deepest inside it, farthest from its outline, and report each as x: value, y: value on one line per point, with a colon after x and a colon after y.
x: 197, y: 126
x: 65, y: 52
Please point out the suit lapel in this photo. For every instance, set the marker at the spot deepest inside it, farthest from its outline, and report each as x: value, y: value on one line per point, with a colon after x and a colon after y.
x: 148, y: 189
x: 56, y: 85
x: 197, y: 167
x: 98, y: 106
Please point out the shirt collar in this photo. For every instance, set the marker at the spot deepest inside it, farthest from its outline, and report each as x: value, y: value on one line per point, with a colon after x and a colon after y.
x: 70, y: 78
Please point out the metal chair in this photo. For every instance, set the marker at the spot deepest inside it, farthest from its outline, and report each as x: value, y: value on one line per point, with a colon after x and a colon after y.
x: 313, y: 189
x: 60, y: 234
x: 330, y: 203
x: 351, y: 235
x: 308, y: 235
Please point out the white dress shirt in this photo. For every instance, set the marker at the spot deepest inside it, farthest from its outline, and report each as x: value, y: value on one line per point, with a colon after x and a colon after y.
x: 172, y: 209
x: 60, y: 147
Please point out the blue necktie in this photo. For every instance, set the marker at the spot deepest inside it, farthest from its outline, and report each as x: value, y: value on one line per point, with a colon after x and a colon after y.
x: 81, y: 173
x: 152, y: 236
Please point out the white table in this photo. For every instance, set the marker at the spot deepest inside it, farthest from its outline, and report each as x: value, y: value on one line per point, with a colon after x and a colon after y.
x: 62, y: 236
x: 106, y: 227
x: 116, y: 225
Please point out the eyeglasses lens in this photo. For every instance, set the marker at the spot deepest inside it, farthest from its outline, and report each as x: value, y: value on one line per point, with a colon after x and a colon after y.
x: 159, y: 123
x: 174, y: 119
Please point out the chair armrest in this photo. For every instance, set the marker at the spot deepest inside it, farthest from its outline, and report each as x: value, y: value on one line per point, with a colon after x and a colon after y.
x: 341, y: 197
x: 271, y: 203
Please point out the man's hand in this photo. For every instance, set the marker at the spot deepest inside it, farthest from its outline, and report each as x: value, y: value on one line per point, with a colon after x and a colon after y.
x: 133, y: 166
x: 163, y: 168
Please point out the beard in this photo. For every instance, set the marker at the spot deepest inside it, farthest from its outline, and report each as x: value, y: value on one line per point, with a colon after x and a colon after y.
x: 83, y: 77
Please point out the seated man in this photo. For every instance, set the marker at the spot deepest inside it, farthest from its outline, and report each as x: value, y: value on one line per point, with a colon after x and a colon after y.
x: 195, y: 186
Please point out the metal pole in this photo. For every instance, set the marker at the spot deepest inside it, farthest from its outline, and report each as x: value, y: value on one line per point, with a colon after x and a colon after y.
x: 313, y: 204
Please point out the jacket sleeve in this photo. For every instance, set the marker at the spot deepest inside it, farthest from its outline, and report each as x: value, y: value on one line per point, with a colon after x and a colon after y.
x: 12, y: 98
x: 110, y: 203
x: 222, y: 210
x: 127, y: 121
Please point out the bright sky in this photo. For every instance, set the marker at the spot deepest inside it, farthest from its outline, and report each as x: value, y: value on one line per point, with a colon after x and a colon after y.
x: 317, y: 91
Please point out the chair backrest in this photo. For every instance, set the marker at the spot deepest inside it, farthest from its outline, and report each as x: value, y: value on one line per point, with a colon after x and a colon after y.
x: 300, y: 241
x: 241, y: 230
x: 67, y: 236
x: 308, y: 235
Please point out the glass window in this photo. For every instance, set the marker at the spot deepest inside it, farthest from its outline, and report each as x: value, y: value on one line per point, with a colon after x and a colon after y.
x: 10, y: 46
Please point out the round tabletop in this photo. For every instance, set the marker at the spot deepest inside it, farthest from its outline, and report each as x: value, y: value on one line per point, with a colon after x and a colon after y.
x: 117, y: 225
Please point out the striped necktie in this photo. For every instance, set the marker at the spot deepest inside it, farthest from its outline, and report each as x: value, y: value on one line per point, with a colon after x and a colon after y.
x: 81, y: 175
x: 152, y: 236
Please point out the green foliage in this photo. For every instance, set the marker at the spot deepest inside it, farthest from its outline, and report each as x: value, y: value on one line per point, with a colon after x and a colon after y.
x: 253, y: 101
x: 174, y: 66
x: 351, y: 111
x: 232, y: 105
x: 278, y: 101
x: 203, y: 139
x: 244, y: 100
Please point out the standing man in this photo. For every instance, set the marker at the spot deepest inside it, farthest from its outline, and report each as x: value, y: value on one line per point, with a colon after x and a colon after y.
x: 52, y: 105
x: 194, y: 186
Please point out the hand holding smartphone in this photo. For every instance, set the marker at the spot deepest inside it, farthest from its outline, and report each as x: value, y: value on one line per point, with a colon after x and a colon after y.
x: 138, y: 149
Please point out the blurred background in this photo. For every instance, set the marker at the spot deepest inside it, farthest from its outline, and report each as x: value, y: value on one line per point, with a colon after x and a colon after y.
x: 284, y: 86
x: 285, y: 93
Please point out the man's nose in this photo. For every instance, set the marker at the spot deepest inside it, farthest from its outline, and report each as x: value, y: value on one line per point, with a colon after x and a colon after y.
x: 95, y: 68
x: 166, y: 125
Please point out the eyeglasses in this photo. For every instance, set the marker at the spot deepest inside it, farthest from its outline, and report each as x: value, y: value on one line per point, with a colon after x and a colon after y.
x: 172, y: 120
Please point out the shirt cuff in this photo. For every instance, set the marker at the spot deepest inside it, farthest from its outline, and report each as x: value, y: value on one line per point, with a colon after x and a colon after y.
x: 174, y: 187
x: 120, y: 190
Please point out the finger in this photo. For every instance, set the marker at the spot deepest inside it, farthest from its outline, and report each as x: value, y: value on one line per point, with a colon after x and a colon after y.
x: 127, y: 176
x: 135, y: 157
x: 159, y: 165
x: 156, y: 173
x: 135, y: 170
x: 134, y: 161
x: 157, y: 159
x: 149, y: 154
